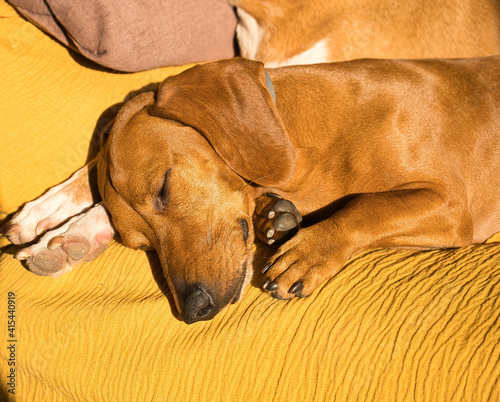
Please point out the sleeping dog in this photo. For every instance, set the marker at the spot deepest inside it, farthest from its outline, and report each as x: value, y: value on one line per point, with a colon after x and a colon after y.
x: 281, y: 32
x: 373, y: 153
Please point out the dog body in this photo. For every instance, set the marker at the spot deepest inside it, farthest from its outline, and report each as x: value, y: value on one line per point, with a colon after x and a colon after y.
x: 280, y: 32
x: 372, y: 126
x: 373, y: 153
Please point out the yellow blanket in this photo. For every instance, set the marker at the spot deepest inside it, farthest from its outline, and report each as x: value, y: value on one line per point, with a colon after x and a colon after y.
x: 393, y: 325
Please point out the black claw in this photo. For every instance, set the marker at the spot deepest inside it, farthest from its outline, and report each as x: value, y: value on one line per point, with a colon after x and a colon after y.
x: 272, y: 287
x: 284, y: 222
x: 273, y: 195
x: 266, y: 268
x: 296, y: 287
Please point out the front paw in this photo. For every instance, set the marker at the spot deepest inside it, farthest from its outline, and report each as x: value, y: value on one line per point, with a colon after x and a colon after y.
x: 275, y: 219
x: 81, y: 239
x: 302, y: 264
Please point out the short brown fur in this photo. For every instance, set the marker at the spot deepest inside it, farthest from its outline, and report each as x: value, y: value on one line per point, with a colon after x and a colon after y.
x: 374, y: 28
x: 410, y: 148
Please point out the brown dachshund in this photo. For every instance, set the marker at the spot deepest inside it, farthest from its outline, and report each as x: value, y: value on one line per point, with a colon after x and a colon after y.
x: 373, y: 153
x: 378, y: 153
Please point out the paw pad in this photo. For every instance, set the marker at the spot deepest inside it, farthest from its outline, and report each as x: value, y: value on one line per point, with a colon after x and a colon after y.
x: 275, y: 219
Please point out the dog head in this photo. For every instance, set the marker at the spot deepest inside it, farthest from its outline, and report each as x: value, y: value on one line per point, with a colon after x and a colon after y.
x: 178, y: 173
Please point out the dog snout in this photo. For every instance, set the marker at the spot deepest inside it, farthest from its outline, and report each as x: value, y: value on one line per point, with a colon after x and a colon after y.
x: 198, y: 305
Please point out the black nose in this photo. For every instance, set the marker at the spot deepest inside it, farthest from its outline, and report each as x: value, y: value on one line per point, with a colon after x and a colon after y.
x: 198, y: 305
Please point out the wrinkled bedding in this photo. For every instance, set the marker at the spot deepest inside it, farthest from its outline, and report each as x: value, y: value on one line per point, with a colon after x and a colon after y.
x: 393, y: 325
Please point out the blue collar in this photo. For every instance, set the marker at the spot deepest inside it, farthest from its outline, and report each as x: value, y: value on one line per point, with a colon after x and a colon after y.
x: 270, y: 86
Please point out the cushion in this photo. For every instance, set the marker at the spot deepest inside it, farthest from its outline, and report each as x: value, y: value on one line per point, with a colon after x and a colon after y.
x: 392, y: 325
x: 137, y: 35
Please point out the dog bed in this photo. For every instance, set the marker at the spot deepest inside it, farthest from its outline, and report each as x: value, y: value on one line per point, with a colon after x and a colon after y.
x: 392, y: 325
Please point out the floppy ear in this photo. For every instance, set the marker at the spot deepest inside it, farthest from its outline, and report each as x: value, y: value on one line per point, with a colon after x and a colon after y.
x: 229, y: 104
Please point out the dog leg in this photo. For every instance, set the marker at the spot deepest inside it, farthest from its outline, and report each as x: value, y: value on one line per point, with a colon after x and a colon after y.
x: 54, y: 207
x: 408, y: 216
x: 275, y: 219
x: 81, y: 239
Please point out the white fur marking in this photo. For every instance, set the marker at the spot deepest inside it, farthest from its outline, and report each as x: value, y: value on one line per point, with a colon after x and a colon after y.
x: 57, y: 204
x: 316, y: 54
x: 249, y: 34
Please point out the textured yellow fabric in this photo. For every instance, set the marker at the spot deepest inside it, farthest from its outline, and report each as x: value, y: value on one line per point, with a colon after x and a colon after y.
x: 392, y: 326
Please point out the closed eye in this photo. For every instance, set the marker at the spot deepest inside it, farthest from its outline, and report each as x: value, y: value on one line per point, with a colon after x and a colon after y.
x: 163, y: 194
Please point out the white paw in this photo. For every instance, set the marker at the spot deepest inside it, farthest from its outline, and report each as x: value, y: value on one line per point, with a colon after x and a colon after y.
x: 51, y: 209
x: 81, y: 239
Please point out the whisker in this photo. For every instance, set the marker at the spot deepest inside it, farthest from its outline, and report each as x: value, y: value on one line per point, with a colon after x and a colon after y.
x: 210, y: 236
x: 227, y: 238
x: 253, y: 182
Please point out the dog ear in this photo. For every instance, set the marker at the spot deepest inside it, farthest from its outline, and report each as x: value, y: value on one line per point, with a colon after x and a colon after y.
x: 229, y: 104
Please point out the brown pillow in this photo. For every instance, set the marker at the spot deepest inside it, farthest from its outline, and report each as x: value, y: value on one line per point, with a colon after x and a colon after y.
x: 134, y: 35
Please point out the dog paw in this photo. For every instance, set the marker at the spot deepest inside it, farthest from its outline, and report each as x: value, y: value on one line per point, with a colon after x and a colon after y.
x: 275, y: 219
x: 81, y: 239
x: 302, y: 264
x: 51, y: 209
